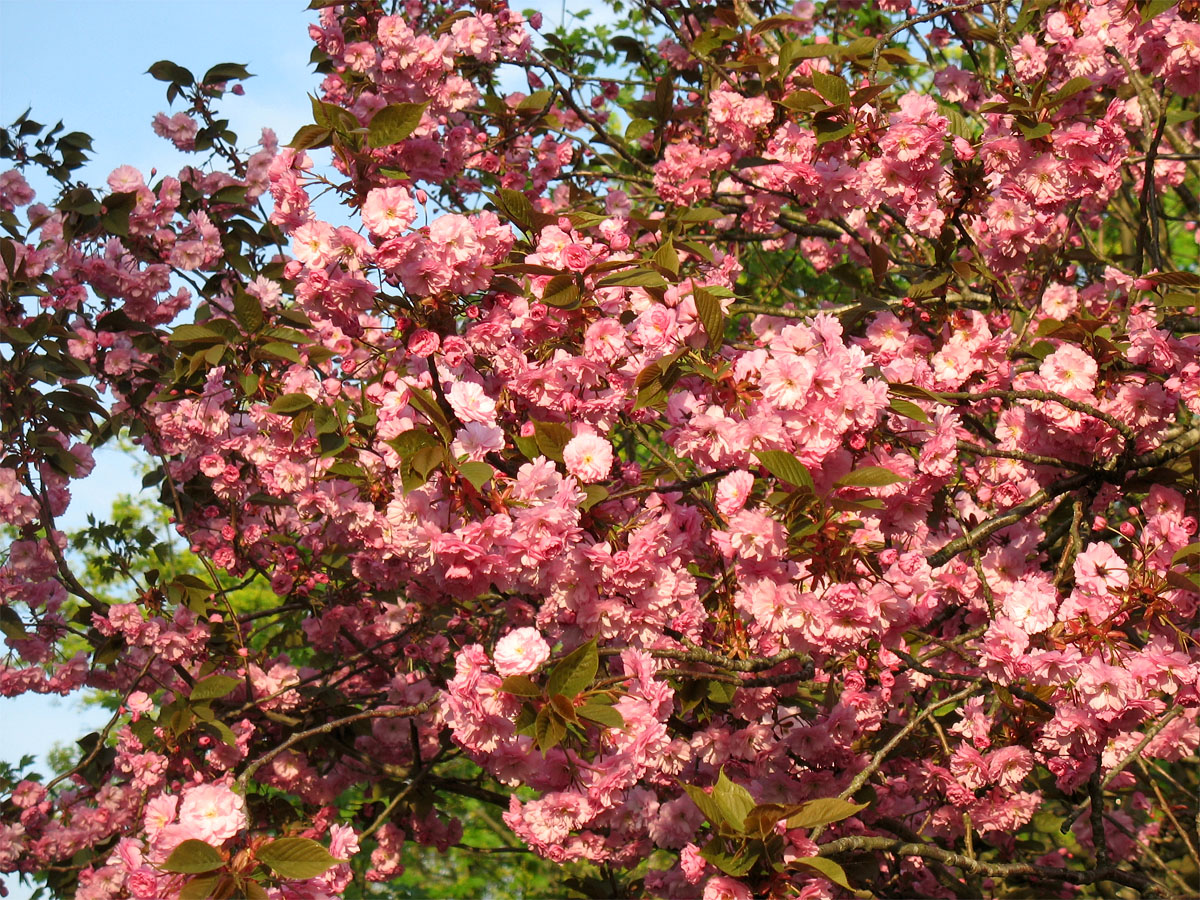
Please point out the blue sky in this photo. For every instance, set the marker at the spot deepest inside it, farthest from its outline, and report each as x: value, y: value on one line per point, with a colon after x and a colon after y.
x: 84, y: 61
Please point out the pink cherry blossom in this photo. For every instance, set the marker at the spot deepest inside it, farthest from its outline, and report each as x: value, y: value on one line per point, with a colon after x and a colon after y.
x: 520, y: 652
x: 588, y: 457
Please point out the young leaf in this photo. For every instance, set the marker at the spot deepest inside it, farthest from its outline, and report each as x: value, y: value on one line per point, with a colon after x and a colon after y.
x: 707, y: 804
x: 293, y: 857
x: 548, y: 729
x: 736, y: 864
x: 575, y: 671
x: 194, y: 857
x: 733, y: 799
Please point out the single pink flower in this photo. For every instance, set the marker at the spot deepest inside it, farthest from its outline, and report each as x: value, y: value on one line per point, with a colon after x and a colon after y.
x: 521, y: 652
x: 212, y: 813
x: 588, y: 457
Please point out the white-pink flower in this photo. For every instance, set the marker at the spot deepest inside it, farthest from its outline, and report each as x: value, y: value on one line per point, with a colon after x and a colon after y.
x: 1069, y: 369
x: 732, y: 491
x: 471, y: 404
x: 388, y: 211
x: 520, y: 652
x: 720, y: 887
x: 212, y: 813
x: 588, y: 457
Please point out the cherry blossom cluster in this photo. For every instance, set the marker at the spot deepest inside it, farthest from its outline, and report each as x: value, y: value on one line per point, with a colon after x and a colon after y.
x: 780, y: 456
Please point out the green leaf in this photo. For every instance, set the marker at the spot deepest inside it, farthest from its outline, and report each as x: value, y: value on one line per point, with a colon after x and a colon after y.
x: 310, y: 137
x: 394, y: 123
x: 193, y: 857
x: 478, y: 473
x: 706, y: 804
x: 515, y: 207
x: 281, y: 350
x: 409, y: 442
x: 292, y: 404
x: 651, y: 394
x: 1189, y: 582
x: 870, y: 476
x: 911, y: 390
x: 1033, y: 132
x: 548, y: 729
x: 733, y: 800
x: 601, y: 714
x: 826, y: 867
x: 551, y: 438
x: 1075, y: 86
x: 248, y: 310
x: 296, y: 857
x: 861, y: 46
x: 593, y: 494
x: 832, y: 130
x: 117, y: 208
x: 667, y: 258
x: 11, y: 625
x: 909, y: 410
x: 534, y: 102
x: 332, y: 116
x: 633, y: 278
x: 638, y: 127
x: 785, y: 467
x: 1177, y: 279
x: 700, y: 214
x: 213, y: 687
x: 1185, y: 553
x: 824, y: 811
x: 575, y: 671
x: 225, y: 72
x: 199, y: 888
x: 427, y: 459
x: 561, y: 292
x: 1155, y: 8
x: 521, y: 685
x: 165, y: 70
x: 712, y: 317
x: 832, y: 87
x: 761, y: 820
